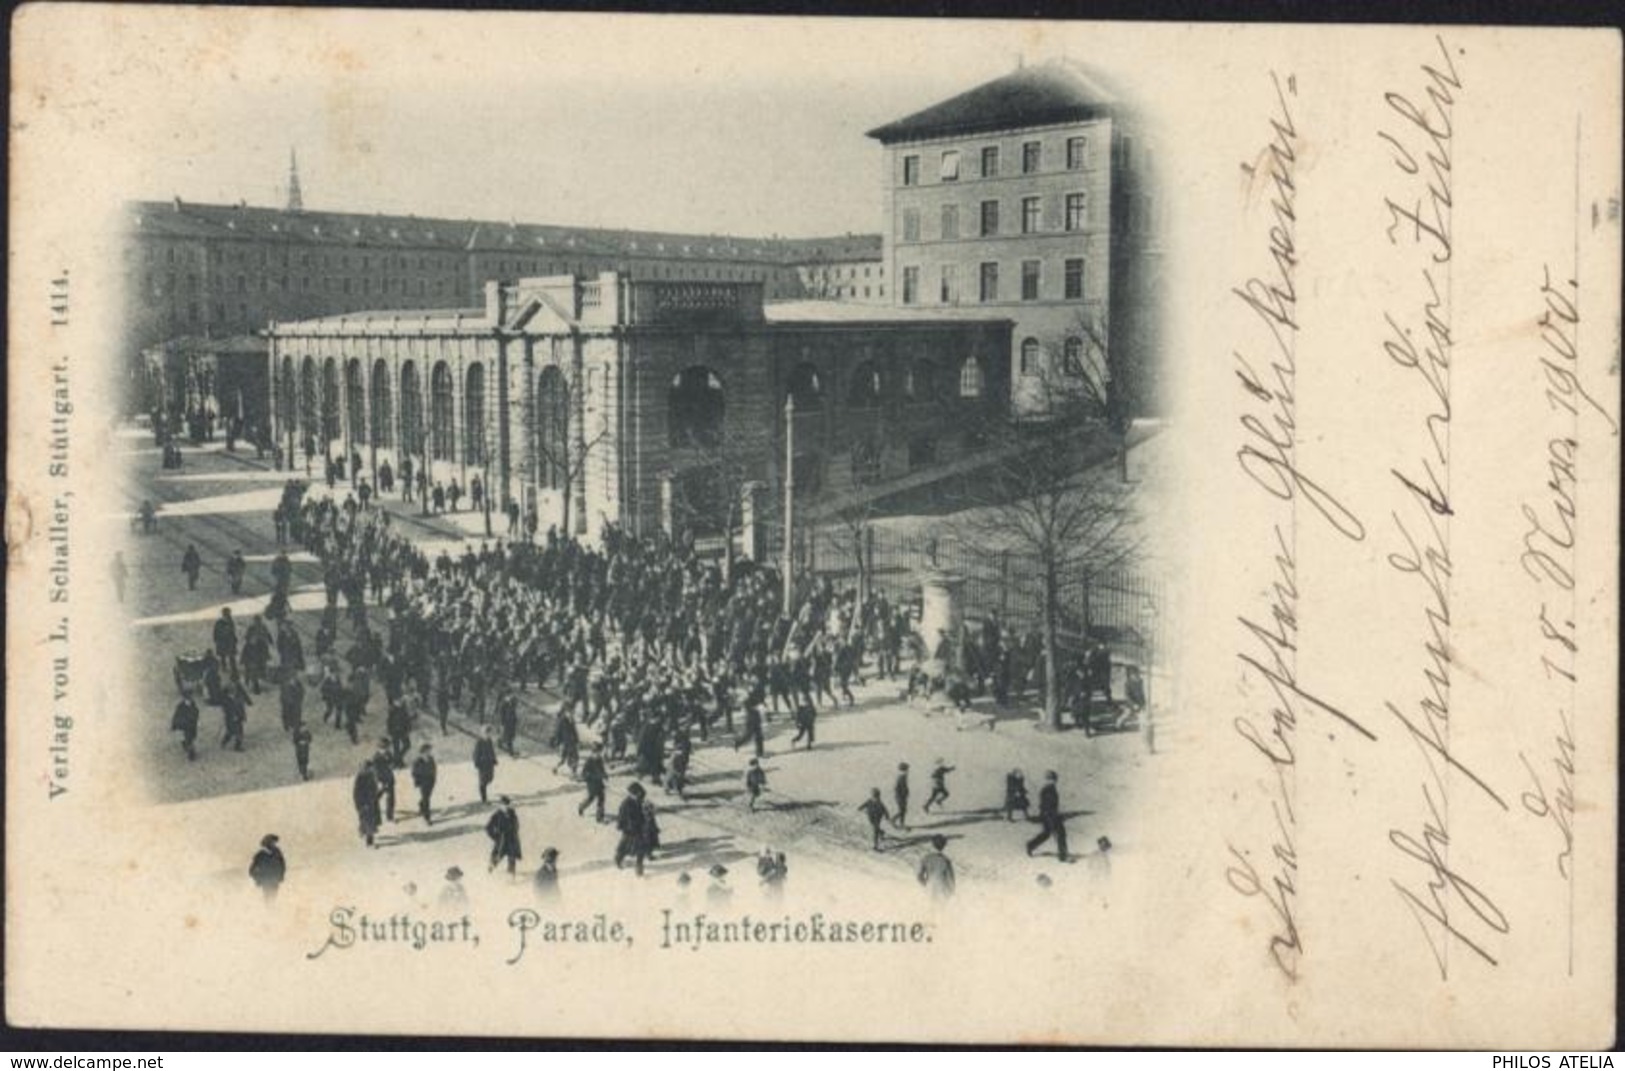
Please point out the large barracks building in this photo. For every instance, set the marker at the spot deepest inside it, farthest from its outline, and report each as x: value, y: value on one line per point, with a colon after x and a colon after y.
x: 655, y: 404
x: 631, y: 376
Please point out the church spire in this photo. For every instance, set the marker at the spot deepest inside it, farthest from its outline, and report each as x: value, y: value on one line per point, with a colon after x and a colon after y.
x: 296, y: 201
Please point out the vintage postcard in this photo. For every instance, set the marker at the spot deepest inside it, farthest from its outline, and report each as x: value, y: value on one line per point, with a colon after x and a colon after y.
x: 677, y: 527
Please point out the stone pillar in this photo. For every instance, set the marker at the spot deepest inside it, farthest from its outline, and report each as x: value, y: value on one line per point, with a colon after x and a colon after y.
x: 941, y: 615
x: 751, y: 535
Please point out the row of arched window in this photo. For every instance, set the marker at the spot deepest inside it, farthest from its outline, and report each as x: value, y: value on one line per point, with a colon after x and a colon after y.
x: 311, y: 398
x: 1032, y: 354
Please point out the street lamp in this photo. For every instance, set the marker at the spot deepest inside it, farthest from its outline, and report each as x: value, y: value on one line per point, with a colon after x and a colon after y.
x: 789, y: 498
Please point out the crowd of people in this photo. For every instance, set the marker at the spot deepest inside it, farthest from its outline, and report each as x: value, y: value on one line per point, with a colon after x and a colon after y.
x: 650, y: 650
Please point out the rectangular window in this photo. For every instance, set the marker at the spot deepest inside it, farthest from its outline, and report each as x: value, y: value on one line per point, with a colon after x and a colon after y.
x: 990, y: 162
x: 1077, y: 153
x: 950, y: 166
x: 1029, y: 215
x: 1029, y: 280
x: 1032, y: 154
x: 911, y: 170
x: 911, y: 285
x: 911, y: 224
x: 950, y: 284
x: 950, y: 224
x: 1077, y: 211
x: 1074, y: 278
x: 990, y: 282
x: 990, y: 218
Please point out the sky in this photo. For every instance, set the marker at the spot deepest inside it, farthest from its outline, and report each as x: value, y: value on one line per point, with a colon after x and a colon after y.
x: 748, y: 126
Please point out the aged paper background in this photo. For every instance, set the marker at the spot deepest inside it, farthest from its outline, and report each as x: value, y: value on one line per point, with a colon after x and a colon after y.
x: 125, y: 914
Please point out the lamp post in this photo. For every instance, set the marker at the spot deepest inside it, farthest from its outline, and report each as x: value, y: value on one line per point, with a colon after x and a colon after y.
x: 789, y: 499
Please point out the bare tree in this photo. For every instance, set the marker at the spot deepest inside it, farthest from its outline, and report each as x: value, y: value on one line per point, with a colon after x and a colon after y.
x: 1048, y: 500
x: 709, y: 490
x: 1084, y: 377
x: 568, y: 455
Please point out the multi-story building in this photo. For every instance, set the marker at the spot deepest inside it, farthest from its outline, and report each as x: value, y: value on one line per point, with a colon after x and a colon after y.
x: 645, y: 402
x: 1028, y: 196
x: 216, y: 271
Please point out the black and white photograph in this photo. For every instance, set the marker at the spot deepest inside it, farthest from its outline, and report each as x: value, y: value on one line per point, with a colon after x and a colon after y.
x: 785, y: 528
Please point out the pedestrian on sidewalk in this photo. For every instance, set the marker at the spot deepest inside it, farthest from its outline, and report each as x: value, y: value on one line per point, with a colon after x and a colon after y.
x: 755, y: 781
x: 874, y: 809
x: 596, y: 777
x: 185, y: 722
x: 1015, y: 796
x: 900, y: 793
x: 191, y: 565
x: 364, y: 794
x: 503, y: 829
x: 485, y: 761
x: 939, y: 785
x: 1049, y: 814
x: 301, y: 750
x: 424, y: 774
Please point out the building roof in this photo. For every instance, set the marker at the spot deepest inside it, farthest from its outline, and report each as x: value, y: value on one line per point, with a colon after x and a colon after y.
x: 1055, y: 92
x: 184, y: 219
x: 849, y: 312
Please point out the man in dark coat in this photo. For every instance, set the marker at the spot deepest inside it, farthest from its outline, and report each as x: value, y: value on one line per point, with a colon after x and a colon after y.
x: 185, y: 722
x: 424, y: 774
x: 595, y: 777
x: 806, y: 715
x: 1049, y: 814
x: 364, y: 794
x: 269, y: 867
x: 225, y: 642
x: 485, y: 761
x: 753, y: 726
x: 508, y: 717
x: 191, y: 565
x: 503, y: 829
x: 236, y: 567
x: 383, y: 771
x: 292, y: 695
x: 568, y: 741
x: 629, y: 821
x: 234, y: 709
x: 398, y: 723
x: 939, y: 785
x: 899, y: 795
x: 256, y: 654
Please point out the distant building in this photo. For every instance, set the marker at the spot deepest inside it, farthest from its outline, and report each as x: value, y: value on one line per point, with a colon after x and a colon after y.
x: 651, y: 403
x: 1028, y: 196
x: 215, y: 271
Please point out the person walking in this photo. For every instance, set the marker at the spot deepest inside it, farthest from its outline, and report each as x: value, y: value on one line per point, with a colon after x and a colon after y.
x: 234, y: 710
x: 629, y: 823
x: 1049, y: 814
x: 191, y: 565
x: 899, y: 795
x: 383, y: 771
x: 225, y: 642
x: 937, y: 870
x: 236, y: 568
x: 364, y: 794
x: 806, y: 715
x: 269, y: 867
x: 185, y: 722
x: 567, y: 740
x: 508, y: 718
x: 753, y: 727
x: 424, y: 774
x: 503, y: 829
x: 939, y: 785
x: 301, y: 750
x: 755, y: 781
x: 596, y: 778
x: 485, y: 761
x: 874, y: 809
x: 1015, y: 796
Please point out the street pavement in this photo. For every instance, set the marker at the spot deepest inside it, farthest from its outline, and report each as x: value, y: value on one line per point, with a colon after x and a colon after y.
x: 225, y: 800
